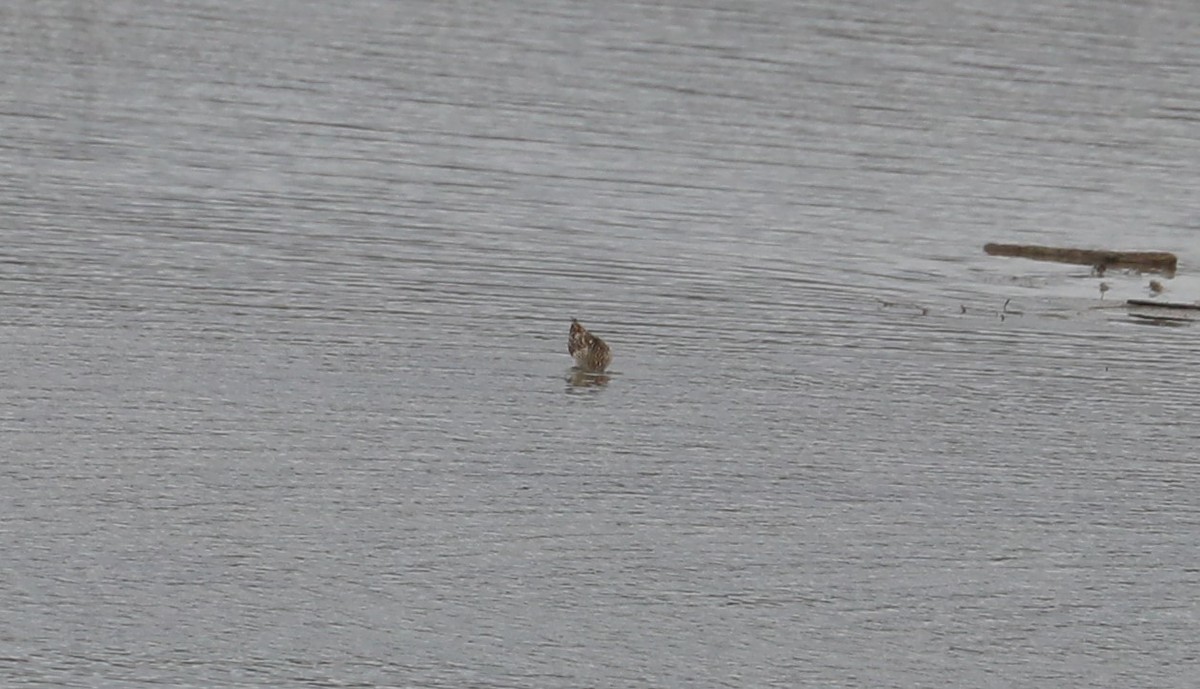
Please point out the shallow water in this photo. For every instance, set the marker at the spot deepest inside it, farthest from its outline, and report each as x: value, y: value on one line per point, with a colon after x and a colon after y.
x: 285, y: 298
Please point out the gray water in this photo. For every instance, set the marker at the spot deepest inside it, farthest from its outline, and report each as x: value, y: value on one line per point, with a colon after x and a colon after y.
x: 285, y: 293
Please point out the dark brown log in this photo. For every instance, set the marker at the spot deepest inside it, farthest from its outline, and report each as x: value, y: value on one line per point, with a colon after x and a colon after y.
x: 1147, y: 261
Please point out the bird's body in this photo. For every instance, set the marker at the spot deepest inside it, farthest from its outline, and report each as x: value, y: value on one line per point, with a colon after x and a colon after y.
x: 589, y: 351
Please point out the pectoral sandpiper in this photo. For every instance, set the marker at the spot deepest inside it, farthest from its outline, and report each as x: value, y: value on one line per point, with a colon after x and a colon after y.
x: 590, y: 352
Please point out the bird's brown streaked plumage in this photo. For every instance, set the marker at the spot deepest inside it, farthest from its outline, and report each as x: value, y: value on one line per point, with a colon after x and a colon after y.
x: 589, y: 351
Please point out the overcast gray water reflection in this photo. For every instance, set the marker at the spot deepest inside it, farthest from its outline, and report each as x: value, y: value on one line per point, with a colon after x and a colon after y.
x: 286, y: 288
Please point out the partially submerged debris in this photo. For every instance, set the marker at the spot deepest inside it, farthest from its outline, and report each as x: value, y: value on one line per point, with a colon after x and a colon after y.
x: 1163, y: 310
x: 1100, y: 261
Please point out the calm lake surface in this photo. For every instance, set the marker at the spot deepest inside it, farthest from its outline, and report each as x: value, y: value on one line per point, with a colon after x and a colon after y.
x: 285, y: 295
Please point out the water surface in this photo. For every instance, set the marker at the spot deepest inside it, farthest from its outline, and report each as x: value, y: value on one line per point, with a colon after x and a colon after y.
x: 286, y: 289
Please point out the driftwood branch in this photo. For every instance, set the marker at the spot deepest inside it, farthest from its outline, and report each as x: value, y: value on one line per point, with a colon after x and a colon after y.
x: 1147, y: 261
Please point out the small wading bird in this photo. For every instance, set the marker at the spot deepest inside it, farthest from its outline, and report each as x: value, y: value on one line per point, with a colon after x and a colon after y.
x: 590, y: 352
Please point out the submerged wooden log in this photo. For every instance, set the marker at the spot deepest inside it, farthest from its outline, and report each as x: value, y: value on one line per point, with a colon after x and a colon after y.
x: 1163, y: 310
x: 1163, y: 304
x: 1150, y: 261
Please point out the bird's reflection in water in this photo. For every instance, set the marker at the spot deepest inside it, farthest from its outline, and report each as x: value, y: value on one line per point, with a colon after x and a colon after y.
x: 584, y: 379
